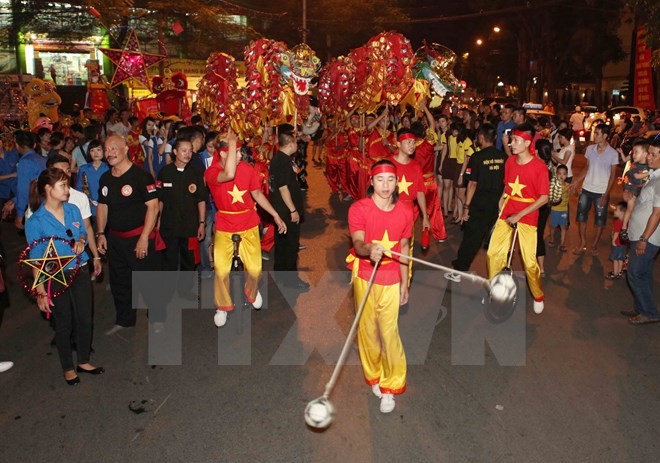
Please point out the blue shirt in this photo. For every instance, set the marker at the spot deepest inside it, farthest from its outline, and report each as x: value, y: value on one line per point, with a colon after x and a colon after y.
x: 501, y: 127
x: 8, y: 166
x: 93, y: 176
x: 29, y: 167
x: 43, y: 224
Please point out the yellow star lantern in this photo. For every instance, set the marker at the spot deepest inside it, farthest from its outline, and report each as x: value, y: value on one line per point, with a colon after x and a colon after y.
x: 50, y: 266
x: 517, y: 187
x: 386, y: 243
x: 237, y: 195
x: 404, y: 185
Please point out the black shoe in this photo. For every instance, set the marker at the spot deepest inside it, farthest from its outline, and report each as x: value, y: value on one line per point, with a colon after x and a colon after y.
x: 95, y: 371
x: 72, y: 382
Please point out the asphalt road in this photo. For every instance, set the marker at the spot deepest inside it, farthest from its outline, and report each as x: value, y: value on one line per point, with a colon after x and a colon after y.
x: 576, y: 383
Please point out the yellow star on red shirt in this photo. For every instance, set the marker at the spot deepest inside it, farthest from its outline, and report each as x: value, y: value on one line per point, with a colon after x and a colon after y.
x: 517, y: 187
x: 237, y: 195
x: 404, y: 185
x: 50, y: 266
x: 386, y: 243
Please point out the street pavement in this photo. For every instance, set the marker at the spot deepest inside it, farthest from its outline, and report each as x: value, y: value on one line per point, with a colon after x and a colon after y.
x: 574, y: 384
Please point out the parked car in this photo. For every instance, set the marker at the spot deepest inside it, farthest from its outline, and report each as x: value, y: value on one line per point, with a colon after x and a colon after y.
x: 612, y: 115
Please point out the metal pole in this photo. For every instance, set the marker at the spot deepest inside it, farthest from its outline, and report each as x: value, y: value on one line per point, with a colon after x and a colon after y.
x: 304, y: 21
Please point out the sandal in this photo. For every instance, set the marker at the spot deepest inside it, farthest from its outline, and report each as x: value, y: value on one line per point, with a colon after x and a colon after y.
x: 562, y: 249
x: 579, y: 251
x: 613, y: 276
x: 642, y: 320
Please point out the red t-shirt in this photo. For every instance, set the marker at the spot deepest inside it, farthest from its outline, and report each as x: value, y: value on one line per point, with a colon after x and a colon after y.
x: 425, y: 155
x: 386, y: 228
x: 235, y: 205
x: 524, y: 184
x: 410, y: 179
x: 375, y: 148
x: 353, y: 138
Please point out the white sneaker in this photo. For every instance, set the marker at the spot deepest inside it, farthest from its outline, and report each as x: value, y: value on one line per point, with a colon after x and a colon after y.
x: 453, y: 276
x: 387, y: 403
x: 114, y: 330
x: 220, y: 318
x: 538, y: 306
x: 258, y: 301
x: 376, y: 390
x: 4, y: 366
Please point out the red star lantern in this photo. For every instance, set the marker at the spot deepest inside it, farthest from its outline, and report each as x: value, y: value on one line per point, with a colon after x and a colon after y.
x: 131, y: 62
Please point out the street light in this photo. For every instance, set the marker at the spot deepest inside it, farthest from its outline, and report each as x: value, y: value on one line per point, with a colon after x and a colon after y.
x: 479, y: 42
x: 496, y: 29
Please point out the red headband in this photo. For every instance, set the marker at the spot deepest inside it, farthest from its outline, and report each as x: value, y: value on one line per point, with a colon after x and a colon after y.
x: 406, y: 136
x: 529, y: 138
x: 383, y: 168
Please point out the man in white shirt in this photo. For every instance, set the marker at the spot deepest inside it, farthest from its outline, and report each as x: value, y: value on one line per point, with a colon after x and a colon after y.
x: 598, y: 174
x: 644, y: 234
x: 576, y: 121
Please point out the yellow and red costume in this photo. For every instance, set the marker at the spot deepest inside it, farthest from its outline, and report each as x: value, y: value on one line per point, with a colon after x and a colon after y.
x: 425, y: 155
x: 411, y: 182
x: 523, y: 185
x: 381, y: 351
x: 236, y: 215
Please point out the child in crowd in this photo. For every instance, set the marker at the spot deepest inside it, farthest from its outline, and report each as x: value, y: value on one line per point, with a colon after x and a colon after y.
x: 618, y: 252
x: 634, y: 179
x: 559, y: 212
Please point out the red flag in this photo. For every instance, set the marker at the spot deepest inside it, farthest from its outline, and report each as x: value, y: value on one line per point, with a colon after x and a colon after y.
x: 94, y: 12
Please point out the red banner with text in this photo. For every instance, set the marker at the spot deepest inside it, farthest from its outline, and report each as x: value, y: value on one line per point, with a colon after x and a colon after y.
x: 644, y: 96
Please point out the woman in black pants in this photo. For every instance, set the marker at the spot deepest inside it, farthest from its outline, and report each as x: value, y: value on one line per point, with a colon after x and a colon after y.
x: 55, y: 217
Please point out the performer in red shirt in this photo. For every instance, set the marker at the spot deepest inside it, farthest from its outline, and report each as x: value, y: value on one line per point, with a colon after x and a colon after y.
x: 353, y: 157
x: 425, y: 155
x: 380, y: 144
x: 379, y: 223
x: 335, y: 160
x: 526, y: 188
x: 411, y: 181
x: 235, y: 188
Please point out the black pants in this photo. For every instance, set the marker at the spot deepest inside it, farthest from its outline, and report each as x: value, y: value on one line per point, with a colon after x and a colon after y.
x: 286, y: 247
x: 74, y: 308
x: 483, y: 215
x: 121, y: 263
x: 177, y: 256
x: 544, y: 213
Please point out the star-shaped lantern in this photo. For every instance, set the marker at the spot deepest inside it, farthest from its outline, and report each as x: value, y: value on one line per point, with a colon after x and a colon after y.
x: 131, y: 62
x: 50, y: 266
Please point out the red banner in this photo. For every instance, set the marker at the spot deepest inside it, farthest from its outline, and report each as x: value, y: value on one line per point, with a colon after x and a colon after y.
x: 644, y: 96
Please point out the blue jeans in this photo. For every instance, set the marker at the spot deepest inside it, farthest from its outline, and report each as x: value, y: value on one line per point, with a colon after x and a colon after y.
x: 640, y: 279
x: 587, y: 198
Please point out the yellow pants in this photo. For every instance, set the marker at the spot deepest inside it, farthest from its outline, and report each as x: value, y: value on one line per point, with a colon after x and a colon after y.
x: 498, y: 249
x: 223, y: 250
x: 381, y: 351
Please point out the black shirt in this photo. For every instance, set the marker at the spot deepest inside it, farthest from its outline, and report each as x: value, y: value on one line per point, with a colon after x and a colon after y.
x: 180, y: 191
x: 281, y: 173
x: 126, y: 196
x: 486, y: 167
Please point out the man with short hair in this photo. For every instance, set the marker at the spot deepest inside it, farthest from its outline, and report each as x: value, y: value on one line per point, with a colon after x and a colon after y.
x: 526, y: 189
x: 644, y: 234
x: 29, y: 166
x: 287, y: 200
x: 598, y: 174
x: 485, y: 181
x: 505, y: 124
